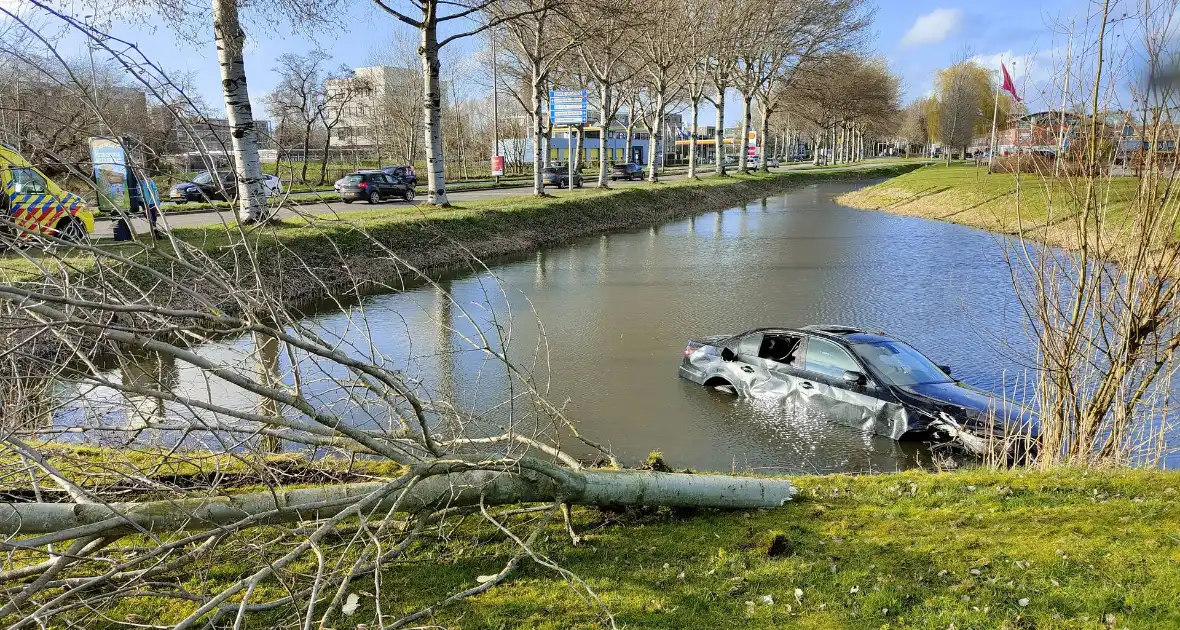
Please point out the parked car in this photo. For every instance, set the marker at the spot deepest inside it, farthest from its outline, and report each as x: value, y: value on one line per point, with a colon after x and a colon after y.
x: 630, y: 170
x: 730, y: 160
x: 374, y: 186
x: 203, y: 187
x: 752, y: 162
x: 863, y: 379
x: 771, y: 162
x: 402, y: 172
x: 559, y: 177
x: 206, y: 187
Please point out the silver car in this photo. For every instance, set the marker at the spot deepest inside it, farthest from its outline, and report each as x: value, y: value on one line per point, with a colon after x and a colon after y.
x: 859, y: 378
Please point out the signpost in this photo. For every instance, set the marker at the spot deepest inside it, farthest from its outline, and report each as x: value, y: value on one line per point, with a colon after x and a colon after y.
x: 568, y: 107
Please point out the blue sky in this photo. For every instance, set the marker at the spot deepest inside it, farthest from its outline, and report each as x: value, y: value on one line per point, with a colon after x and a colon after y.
x: 916, y: 36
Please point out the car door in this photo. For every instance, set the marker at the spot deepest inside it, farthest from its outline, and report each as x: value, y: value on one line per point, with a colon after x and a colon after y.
x: 30, y: 201
x: 827, y: 393
x: 750, y: 373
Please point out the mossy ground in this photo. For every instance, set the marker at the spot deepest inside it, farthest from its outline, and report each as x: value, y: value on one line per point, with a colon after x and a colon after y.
x: 968, y: 549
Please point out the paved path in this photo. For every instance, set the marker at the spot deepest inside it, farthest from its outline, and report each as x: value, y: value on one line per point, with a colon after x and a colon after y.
x: 103, y: 229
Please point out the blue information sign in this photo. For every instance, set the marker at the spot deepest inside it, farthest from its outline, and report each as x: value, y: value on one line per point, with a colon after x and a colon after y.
x: 567, y: 107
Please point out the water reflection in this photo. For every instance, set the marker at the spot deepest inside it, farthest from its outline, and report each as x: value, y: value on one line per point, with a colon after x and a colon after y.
x: 612, y: 314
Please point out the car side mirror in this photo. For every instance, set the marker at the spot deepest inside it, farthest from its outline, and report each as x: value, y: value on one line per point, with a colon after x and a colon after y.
x: 728, y: 354
x: 852, y: 377
x: 946, y: 369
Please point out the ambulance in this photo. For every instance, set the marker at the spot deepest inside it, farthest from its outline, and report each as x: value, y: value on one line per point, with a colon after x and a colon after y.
x: 34, y: 202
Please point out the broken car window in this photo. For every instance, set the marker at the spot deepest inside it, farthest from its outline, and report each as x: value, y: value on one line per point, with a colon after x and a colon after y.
x: 780, y: 349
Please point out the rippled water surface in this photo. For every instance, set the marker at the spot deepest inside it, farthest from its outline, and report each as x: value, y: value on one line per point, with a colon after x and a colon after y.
x: 617, y: 310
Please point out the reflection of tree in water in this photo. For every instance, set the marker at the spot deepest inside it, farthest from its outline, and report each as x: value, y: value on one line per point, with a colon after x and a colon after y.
x: 148, y: 371
x: 266, y: 351
x: 26, y: 402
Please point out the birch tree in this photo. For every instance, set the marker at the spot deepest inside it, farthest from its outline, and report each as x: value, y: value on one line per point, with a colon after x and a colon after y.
x: 608, y: 61
x: 663, y: 53
x: 431, y: 15
x: 538, y: 38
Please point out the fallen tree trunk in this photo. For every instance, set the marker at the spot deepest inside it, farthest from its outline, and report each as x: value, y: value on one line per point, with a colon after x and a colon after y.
x: 583, y: 487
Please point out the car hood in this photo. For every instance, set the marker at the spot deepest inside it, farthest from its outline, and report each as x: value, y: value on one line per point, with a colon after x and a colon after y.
x: 967, y: 403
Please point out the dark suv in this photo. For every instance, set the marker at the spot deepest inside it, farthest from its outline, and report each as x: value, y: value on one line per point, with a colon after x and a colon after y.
x: 402, y: 172
x: 204, y: 187
x: 374, y: 186
x: 559, y: 177
x: 626, y: 171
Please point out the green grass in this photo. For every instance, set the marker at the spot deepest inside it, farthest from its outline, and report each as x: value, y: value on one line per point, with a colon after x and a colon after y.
x: 903, y: 550
x: 319, y: 254
x: 1000, y: 202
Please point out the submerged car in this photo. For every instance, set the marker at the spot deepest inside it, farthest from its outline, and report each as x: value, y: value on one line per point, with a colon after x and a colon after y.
x: 864, y: 379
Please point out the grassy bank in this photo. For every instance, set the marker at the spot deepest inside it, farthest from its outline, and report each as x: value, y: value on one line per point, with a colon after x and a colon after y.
x: 969, y: 549
x: 318, y: 255
x: 1041, y: 208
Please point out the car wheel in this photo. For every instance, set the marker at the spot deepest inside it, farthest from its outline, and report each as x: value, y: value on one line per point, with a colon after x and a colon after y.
x: 409, y: 196
x: 578, y: 184
x: 346, y: 201
x: 374, y: 197
x: 70, y: 229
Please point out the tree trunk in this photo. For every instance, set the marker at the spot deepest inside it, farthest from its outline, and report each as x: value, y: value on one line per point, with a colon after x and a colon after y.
x: 763, y: 134
x: 576, y: 156
x: 815, y: 149
x: 230, y: 39
x: 456, y: 489
x: 630, y: 139
x: 653, y: 145
x: 306, y: 151
x: 538, y: 134
x: 432, y: 109
x: 603, y: 132
x: 548, y: 138
x: 743, y: 139
x: 324, y: 159
x: 694, y: 114
x: 719, y: 133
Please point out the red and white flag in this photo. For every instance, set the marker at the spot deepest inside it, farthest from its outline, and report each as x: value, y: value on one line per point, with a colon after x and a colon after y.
x: 1008, y: 86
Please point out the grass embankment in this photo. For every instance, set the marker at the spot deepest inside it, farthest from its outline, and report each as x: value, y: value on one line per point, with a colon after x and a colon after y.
x: 1041, y: 208
x: 969, y: 549
x: 313, y: 256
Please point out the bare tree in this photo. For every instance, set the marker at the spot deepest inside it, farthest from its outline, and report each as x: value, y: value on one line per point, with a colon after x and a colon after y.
x: 300, y: 96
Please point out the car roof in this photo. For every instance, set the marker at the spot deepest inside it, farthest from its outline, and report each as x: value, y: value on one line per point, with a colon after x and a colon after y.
x: 850, y: 334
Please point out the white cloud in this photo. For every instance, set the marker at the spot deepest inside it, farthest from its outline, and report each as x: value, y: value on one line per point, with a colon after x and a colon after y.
x: 933, y: 27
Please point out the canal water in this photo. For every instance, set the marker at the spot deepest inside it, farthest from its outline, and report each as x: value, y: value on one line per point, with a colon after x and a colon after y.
x: 602, y: 325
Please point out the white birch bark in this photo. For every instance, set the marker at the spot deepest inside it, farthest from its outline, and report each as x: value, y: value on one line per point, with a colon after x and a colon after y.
x: 432, y: 108
x: 230, y: 40
x: 744, y: 137
x: 582, y: 487
x: 763, y: 136
x: 538, y: 133
x: 719, y: 133
x: 694, y: 113
x: 655, y: 130
x: 604, y: 132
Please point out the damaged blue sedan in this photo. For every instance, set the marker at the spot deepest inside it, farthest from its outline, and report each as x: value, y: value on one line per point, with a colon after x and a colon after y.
x: 862, y: 379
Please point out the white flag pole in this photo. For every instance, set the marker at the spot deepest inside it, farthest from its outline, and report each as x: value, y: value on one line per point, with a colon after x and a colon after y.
x: 991, y: 151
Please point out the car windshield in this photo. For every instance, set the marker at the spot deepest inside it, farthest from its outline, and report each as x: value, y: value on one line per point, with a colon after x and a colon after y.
x: 899, y: 364
x: 203, y: 178
x: 551, y: 171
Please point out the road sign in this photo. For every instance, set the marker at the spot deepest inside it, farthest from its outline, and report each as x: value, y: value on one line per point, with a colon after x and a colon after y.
x: 567, y: 107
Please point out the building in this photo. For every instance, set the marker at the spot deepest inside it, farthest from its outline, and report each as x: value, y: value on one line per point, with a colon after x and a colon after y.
x: 189, y: 135
x: 613, y: 147
x: 377, y: 102
x: 1038, y: 132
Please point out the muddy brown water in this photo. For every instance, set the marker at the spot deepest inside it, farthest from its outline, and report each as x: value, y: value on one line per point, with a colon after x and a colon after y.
x: 616, y: 310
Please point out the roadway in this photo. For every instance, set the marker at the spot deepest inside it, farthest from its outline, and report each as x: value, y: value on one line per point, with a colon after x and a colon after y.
x: 103, y: 228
